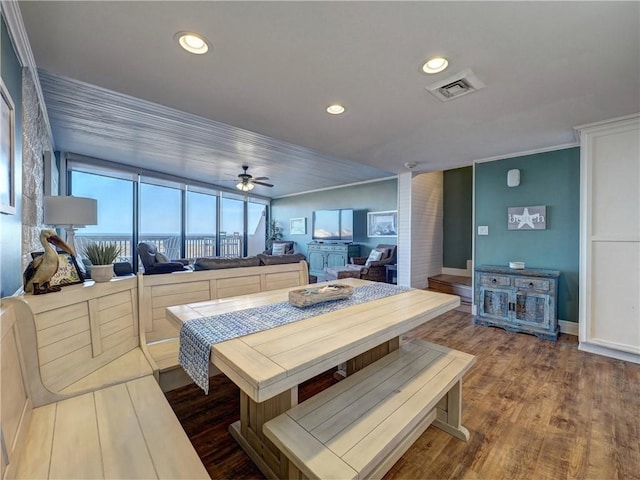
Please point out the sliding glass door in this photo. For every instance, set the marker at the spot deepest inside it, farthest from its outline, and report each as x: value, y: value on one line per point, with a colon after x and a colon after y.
x: 161, y: 218
x: 181, y: 219
x: 115, y: 210
x: 201, y: 227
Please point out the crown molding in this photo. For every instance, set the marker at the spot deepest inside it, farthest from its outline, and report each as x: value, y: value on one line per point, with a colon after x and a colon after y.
x: 18, y: 34
x: 374, y: 180
x: 528, y: 152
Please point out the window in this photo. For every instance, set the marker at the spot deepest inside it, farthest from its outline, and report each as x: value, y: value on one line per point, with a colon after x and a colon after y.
x: 231, y: 227
x: 166, y: 211
x: 256, y: 227
x: 201, y: 225
x: 115, y: 210
x: 161, y: 218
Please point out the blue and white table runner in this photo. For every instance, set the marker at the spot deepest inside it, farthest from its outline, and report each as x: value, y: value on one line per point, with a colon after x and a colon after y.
x: 197, y: 335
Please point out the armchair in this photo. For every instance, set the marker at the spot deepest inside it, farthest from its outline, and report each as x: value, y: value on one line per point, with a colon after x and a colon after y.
x: 375, y: 270
x: 155, y: 262
x: 288, y: 247
x: 364, y: 267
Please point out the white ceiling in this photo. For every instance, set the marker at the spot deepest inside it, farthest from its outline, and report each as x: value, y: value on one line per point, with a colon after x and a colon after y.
x: 262, y: 90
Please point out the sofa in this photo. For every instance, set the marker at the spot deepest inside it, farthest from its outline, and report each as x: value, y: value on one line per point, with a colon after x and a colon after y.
x: 217, y: 263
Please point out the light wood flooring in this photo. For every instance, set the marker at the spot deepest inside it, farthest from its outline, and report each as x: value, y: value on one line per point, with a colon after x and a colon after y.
x: 535, y: 409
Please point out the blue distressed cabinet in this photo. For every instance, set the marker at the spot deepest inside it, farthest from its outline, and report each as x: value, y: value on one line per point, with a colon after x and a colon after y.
x: 323, y: 255
x: 518, y: 300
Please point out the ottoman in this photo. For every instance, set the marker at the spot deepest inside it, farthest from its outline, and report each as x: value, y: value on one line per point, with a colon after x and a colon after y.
x: 348, y: 271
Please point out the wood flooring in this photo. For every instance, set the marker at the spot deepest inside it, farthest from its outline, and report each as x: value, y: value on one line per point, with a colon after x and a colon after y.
x: 535, y: 409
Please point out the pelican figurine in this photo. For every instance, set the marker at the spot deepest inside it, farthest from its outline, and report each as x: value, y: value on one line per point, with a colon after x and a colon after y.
x: 39, y: 272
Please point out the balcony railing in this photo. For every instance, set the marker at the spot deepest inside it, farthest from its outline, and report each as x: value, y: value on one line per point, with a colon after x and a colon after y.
x: 195, y: 245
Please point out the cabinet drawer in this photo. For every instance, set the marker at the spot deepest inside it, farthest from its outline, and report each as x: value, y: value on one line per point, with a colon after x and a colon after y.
x: 495, y: 280
x: 533, y: 284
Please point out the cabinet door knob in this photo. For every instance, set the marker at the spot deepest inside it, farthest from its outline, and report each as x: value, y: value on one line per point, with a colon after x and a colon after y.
x: 494, y: 281
x: 530, y: 284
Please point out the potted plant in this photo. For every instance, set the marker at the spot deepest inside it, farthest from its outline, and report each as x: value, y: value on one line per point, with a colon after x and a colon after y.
x: 101, y: 255
x: 274, y: 234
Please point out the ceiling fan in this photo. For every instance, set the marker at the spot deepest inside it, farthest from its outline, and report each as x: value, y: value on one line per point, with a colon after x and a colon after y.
x: 247, y: 182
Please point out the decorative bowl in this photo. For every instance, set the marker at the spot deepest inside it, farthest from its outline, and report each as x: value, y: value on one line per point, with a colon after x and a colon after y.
x: 311, y: 296
x: 516, y: 265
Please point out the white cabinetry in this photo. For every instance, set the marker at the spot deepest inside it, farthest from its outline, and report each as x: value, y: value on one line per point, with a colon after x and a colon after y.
x: 610, y: 238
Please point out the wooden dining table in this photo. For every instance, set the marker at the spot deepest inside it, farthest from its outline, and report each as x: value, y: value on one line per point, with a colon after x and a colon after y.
x: 269, y: 365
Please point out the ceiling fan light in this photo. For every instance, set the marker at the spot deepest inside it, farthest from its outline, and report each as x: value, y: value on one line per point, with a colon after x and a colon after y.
x: 435, y: 65
x: 245, y: 187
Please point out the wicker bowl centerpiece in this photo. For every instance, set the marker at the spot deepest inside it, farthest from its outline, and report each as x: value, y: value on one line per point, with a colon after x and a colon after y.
x: 313, y: 295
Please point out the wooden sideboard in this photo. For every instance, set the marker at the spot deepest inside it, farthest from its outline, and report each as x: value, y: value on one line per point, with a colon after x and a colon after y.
x: 518, y: 300
x: 323, y: 255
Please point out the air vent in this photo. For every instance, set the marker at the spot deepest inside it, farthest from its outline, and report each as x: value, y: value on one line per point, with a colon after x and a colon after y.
x: 455, y: 86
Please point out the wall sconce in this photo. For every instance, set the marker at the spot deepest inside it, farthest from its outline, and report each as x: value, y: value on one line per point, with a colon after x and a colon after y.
x: 513, y: 178
x: 70, y: 213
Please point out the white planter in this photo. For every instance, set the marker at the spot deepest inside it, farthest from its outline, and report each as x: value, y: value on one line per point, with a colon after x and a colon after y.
x: 102, y: 273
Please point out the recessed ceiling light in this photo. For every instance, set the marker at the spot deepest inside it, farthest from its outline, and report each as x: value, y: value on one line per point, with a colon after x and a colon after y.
x: 335, y: 109
x: 435, y: 65
x: 192, y: 42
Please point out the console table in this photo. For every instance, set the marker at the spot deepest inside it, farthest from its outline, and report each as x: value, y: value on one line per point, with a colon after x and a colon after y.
x: 323, y: 255
x: 518, y: 300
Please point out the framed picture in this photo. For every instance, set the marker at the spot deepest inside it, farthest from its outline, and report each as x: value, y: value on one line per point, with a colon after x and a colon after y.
x: 527, y: 218
x: 68, y: 271
x: 7, y: 152
x: 298, y: 226
x: 382, y: 224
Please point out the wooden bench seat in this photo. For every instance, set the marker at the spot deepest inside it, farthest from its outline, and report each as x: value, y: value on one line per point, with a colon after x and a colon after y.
x: 361, y: 426
x: 157, y: 292
x: 123, y: 431
x: 128, y: 366
x: 112, y: 422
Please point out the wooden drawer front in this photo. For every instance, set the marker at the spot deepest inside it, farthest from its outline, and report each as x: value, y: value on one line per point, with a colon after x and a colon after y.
x: 330, y: 248
x: 495, y: 280
x: 533, y: 284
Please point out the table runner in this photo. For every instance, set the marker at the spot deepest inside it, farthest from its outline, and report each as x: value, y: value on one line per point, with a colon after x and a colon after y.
x: 197, y: 335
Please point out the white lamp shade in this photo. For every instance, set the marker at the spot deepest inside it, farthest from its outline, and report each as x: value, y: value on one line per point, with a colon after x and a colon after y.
x: 70, y: 211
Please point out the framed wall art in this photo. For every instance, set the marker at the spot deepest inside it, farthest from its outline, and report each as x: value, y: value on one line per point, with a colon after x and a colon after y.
x: 7, y: 153
x: 382, y: 224
x: 527, y: 218
x: 298, y: 226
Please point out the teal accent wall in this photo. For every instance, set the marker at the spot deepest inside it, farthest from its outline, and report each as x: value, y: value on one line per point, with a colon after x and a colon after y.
x: 11, y: 225
x: 551, y: 179
x: 457, y: 217
x: 367, y: 197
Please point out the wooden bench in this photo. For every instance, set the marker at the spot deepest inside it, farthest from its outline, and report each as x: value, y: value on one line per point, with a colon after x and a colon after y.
x: 109, y: 419
x: 80, y: 339
x: 361, y: 426
x: 159, y: 336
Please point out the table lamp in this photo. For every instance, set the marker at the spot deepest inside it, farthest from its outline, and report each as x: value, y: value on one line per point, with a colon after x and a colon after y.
x: 70, y: 213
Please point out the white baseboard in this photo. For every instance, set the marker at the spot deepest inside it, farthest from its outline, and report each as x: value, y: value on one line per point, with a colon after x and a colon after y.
x: 609, y: 352
x: 569, y: 328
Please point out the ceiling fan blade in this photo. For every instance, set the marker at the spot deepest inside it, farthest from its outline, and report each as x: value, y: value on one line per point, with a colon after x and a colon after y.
x: 262, y: 183
x: 261, y: 178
